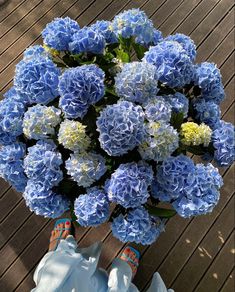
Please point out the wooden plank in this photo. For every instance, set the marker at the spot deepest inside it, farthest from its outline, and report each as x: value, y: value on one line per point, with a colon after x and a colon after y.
x: 15, y: 40
x: 229, y: 98
x: 179, y: 16
x: 211, y: 20
x: 196, y: 17
x: 3, y: 186
x: 220, y: 268
x: 12, y: 222
x: 227, y: 69
x: 22, y: 265
x: 8, y: 202
x: 229, y: 283
x: 19, y: 243
x: 187, y: 278
x: 8, y: 7
x: 165, y: 11
x: 218, y: 35
x: 225, y: 49
x: 27, y: 40
x: 17, y: 18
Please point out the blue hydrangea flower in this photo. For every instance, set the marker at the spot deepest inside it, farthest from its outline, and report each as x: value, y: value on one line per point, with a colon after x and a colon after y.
x: 137, y: 226
x: 200, y: 194
x: 162, y: 140
x: 40, y: 121
x: 11, y: 165
x: 173, y: 65
x: 13, y: 95
x: 170, y: 179
x: 11, y: 119
x: 137, y: 82
x: 86, y: 168
x: 121, y: 127
x: 207, y: 112
x: 179, y: 103
x: 58, y: 33
x: 104, y: 28
x: 154, y: 232
x: 43, y: 201
x: 92, y: 209
x: 224, y: 143
x: 129, y: 184
x: 33, y: 52
x: 158, y: 110
x: 42, y: 164
x: 87, y: 40
x: 186, y: 42
x: 207, y: 76
x: 79, y: 88
x: 134, y: 23
x: 37, y: 80
x: 157, y: 37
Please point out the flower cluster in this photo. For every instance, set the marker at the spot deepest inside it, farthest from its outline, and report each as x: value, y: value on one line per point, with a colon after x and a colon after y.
x: 43, y: 201
x: 158, y: 110
x: 87, y: 40
x: 194, y: 134
x: 86, y: 168
x: 201, y: 193
x: 42, y: 163
x: 37, y: 80
x: 137, y: 82
x: 11, y: 165
x: 92, y: 208
x: 79, y: 88
x: 72, y: 135
x: 129, y: 184
x: 40, y: 121
x: 194, y: 190
x: 11, y: 114
x: 58, y: 33
x: 121, y: 127
x: 207, y: 112
x: 35, y: 51
x: 135, y: 23
x: 207, y: 76
x: 103, y: 28
x: 137, y: 226
x: 186, y: 42
x: 172, y: 62
x: 179, y: 103
x: 98, y: 120
x: 223, y: 139
x: 162, y: 140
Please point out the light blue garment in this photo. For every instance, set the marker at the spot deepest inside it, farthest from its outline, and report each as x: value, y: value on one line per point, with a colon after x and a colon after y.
x: 70, y: 269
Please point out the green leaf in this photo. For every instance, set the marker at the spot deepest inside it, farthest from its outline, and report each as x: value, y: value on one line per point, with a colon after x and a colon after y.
x: 160, y: 212
x: 110, y: 91
x: 176, y: 120
x: 122, y: 55
x: 139, y: 50
x: 197, y: 150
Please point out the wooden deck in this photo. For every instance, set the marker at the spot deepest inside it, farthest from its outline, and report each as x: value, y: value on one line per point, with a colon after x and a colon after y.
x: 192, y: 255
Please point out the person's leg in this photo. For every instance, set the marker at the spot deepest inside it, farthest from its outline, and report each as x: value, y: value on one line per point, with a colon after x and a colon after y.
x: 123, y: 270
x: 57, y: 235
x: 131, y: 256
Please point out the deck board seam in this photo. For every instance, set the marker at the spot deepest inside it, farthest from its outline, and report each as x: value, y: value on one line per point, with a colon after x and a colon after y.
x: 202, y: 239
x: 214, y: 258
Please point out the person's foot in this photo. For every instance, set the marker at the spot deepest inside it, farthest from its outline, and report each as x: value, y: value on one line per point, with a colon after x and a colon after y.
x: 56, y: 233
x: 132, y: 258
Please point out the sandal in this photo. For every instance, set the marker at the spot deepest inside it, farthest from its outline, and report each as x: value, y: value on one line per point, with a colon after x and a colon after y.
x: 59, y: 221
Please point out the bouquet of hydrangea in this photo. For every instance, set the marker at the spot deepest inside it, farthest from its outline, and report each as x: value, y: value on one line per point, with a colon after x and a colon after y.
x: 100, y: 119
